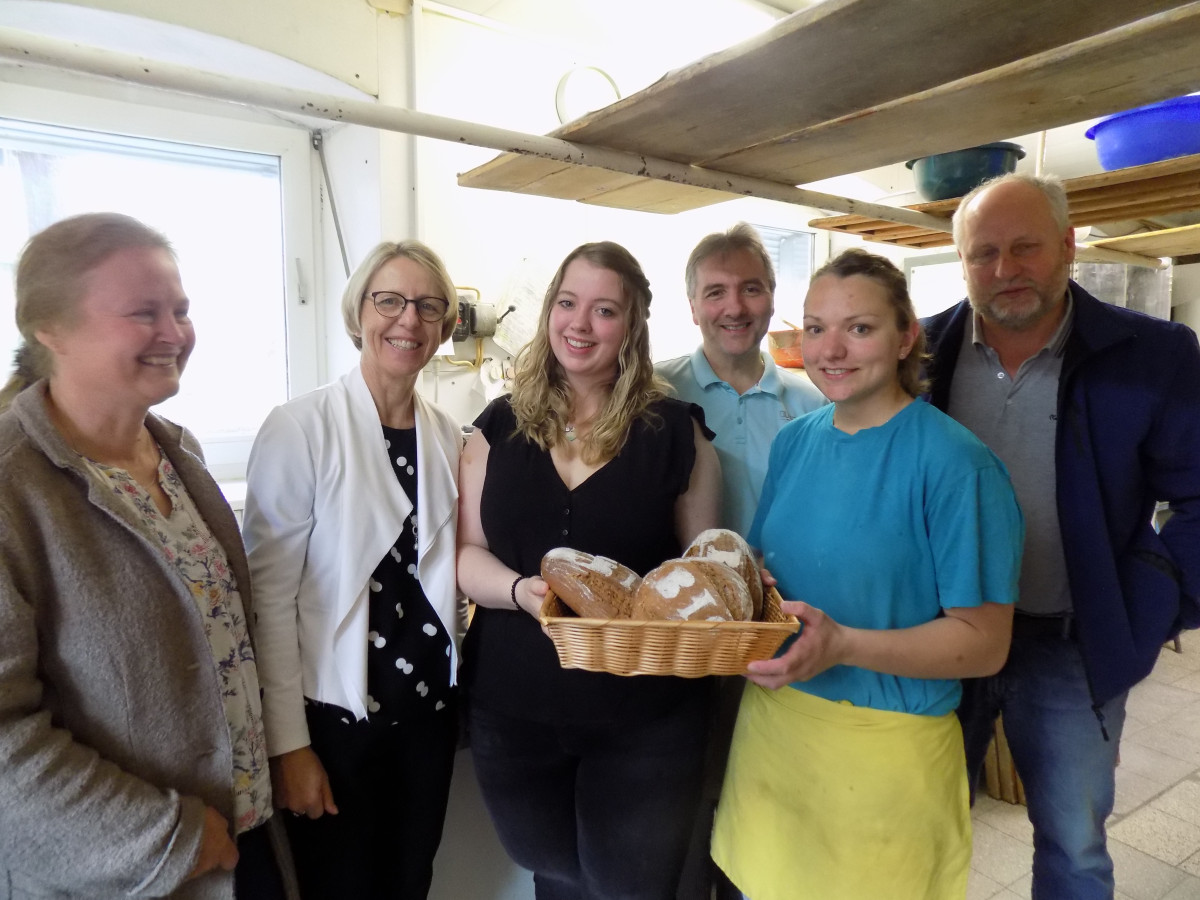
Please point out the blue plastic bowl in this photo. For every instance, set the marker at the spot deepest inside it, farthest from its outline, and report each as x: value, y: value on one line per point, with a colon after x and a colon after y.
x: 946, y: 175
x: 1148, y: 134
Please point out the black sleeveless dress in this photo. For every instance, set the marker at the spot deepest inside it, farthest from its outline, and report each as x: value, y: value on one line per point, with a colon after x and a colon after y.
x: 625, y: 511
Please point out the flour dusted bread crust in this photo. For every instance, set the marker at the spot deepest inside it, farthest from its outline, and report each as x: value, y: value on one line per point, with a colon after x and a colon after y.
x: 730, y: 548
x: 718, y: 580
x: 594, y: 587
x: 695, y: 590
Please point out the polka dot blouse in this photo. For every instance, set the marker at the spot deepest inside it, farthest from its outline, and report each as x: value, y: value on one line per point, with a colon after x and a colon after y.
x: 408, y: 657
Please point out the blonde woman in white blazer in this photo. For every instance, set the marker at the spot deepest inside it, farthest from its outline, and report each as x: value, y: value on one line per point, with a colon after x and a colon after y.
x: 358, y: 617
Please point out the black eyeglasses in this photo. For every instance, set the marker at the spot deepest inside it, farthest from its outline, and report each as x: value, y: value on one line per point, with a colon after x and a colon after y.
x: 390, y: 305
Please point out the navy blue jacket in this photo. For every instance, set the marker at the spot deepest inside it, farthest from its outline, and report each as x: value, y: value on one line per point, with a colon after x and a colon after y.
x: 1128, y: 436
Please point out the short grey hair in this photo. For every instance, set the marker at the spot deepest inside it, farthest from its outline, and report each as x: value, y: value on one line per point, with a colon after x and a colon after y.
x: 740, y: 237
x: 1049, y: 186
x: 356, y: 288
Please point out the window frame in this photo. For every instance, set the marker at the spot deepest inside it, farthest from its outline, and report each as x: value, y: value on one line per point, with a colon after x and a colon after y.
x: 773, y: 237
x: 291, y: 144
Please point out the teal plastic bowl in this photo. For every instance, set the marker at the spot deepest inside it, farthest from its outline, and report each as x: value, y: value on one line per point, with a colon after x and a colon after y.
x: 946, y: 175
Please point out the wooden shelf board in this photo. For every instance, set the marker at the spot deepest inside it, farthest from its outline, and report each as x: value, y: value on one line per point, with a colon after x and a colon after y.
x: 652, y: 195
x: 794, y: 76
x: 1127, y: 67
x: 780, y: 106
x: 1181, y: 241
x: 1172, y: 185
x: 588, y: 184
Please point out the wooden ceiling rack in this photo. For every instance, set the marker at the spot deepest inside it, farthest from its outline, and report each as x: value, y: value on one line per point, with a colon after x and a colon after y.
x: 849, y: 85
x: 1170, y: 242
x: 1138, y: 192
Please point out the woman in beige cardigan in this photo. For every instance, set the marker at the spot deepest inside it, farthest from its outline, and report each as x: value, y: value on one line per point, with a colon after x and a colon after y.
x: 132, y: 759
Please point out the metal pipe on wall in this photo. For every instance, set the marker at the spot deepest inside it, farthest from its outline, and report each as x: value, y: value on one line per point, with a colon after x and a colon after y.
x: 413, y: 44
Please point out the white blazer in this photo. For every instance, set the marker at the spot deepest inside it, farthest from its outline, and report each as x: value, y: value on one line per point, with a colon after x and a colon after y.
x: 323, y: 507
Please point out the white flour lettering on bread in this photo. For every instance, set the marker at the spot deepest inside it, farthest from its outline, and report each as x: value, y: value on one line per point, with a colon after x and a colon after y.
x: 673, y: 581
x: 594, y: 587
x: 691, y: 590
x: 717, y: 580
x: 730, y: 549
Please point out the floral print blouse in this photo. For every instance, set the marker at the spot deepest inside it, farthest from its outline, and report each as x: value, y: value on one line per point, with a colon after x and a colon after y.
x: 199, y: 560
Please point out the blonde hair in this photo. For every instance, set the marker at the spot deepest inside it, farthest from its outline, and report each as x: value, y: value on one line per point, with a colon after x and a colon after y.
x: 355, y: 293
x: 541, y: 396
x: 49, y: 278
x: 884, y: 273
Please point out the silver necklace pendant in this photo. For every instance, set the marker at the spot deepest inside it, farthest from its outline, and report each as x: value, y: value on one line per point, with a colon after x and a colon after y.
x: 570, y: 431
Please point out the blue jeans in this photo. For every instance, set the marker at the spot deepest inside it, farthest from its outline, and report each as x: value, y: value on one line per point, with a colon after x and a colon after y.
x: 1059, y: 749
x: 594, y: 811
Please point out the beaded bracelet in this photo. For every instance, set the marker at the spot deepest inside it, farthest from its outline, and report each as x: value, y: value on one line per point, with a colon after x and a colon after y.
x: 512, y: 591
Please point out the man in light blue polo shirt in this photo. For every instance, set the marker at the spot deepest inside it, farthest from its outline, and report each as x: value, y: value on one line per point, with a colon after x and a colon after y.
x: 746, y: 400
x: 745, y: 397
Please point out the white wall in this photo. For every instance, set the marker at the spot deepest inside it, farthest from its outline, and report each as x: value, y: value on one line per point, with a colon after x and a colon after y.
x: 336, y: 37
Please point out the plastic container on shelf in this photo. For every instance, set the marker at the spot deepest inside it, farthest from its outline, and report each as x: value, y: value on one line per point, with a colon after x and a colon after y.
x: 1148, y: 134
x: 943, y: 176
x: 784, y: 347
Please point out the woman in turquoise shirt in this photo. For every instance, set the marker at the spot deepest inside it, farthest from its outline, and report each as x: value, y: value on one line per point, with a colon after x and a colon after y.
x: 897, y: 536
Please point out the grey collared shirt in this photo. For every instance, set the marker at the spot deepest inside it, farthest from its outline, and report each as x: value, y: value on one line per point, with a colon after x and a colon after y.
x: 1017, y: 417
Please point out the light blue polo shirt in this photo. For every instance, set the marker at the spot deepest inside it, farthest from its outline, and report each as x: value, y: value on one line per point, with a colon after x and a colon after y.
x: 744, y: 424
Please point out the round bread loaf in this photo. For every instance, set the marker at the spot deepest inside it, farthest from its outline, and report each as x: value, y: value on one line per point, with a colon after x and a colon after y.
x: 695, y: 590
x: 594, y: 587
x: 730, y: 548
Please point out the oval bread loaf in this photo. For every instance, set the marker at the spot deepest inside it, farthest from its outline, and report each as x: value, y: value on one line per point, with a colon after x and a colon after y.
x: 730, y: 548
x: 594, y: 587
x: 691, y: 590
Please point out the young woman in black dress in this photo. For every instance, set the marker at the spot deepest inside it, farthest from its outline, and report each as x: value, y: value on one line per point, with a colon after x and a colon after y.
x: 592, y: 779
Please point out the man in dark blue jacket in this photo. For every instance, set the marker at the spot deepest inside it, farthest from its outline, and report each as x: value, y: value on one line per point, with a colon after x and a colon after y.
x: 1096, y: 412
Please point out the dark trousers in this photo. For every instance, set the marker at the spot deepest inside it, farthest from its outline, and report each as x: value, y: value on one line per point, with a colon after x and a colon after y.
x: 391, y: 784
x: 599, y: 811
x: 257, y: 875
x: 701, y: 876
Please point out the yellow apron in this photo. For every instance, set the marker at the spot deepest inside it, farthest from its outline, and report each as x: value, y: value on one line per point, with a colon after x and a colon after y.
x: 830, y: 801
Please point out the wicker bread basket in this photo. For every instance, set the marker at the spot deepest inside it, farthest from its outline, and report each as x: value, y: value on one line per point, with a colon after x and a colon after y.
x: 687, y: 649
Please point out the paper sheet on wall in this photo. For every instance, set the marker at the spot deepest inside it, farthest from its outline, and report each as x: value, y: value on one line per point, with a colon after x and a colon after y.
x: 494, y: 379
x: 523, y: 291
